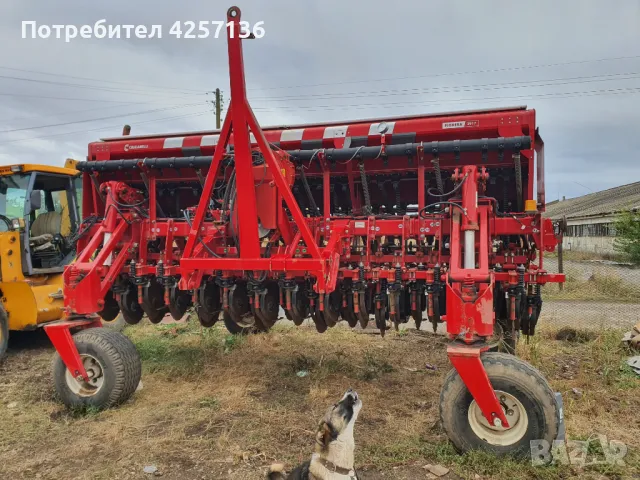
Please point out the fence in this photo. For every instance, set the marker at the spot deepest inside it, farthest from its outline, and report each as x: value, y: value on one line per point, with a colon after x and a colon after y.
x: 598, y: 293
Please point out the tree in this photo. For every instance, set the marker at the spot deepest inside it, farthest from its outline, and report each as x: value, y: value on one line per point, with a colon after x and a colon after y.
x: 627, y: 239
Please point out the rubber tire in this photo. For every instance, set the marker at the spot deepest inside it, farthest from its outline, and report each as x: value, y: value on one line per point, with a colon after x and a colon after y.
x: 4, y: 333
x: 511, y: 375
x: 121, y: 365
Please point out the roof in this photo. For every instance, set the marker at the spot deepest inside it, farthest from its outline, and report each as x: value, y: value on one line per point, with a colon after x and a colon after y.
x: 6, y: 170
x: 613, y: 200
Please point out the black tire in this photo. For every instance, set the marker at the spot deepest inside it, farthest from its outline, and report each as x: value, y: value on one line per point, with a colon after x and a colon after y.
x: 120, y: 364
x: 518, y: 380
x: 4, y: 333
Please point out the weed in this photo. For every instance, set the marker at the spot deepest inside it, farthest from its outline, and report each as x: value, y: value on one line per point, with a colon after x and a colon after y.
x: 209, y: 402
x: 82, y: 411
x: 184, y: 355
x: 374, y: 367
x: 231, y: 342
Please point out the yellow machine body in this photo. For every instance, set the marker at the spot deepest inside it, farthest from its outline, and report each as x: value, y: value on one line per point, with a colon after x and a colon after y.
x: 33, y: 300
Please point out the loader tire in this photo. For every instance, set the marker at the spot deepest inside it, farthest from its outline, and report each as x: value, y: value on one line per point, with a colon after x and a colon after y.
x: 115, y: 363
x: 4, y: 333
x: 530, y: 403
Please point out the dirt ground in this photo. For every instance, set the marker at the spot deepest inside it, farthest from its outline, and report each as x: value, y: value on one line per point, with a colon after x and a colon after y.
x: 215, y: 406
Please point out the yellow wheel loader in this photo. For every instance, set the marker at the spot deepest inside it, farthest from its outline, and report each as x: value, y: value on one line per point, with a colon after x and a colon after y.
x: 39, y: 225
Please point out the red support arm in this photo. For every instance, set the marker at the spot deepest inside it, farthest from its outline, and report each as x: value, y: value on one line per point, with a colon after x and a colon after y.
x: 60, y: 335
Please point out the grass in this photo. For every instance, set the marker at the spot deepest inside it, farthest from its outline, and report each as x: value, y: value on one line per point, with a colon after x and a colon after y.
x: 219, y: 406
x: 604, y: 287
x: 577, y: 256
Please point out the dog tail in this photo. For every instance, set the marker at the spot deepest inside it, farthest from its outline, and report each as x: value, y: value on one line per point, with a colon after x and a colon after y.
x: 276, y: 472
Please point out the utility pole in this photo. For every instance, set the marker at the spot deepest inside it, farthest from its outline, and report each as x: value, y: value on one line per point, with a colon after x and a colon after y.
x: 218, y: 103
x: 218, y: 107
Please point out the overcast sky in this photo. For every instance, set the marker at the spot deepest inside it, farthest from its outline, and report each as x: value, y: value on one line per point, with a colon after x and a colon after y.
x: 334, y: 60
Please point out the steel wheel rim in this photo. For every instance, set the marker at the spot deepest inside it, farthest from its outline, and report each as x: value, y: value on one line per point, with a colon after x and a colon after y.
x: 95, y: 371
x: 499, y: 435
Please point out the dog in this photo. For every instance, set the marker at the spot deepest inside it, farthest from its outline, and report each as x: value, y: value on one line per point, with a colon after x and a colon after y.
x: 333, y: 458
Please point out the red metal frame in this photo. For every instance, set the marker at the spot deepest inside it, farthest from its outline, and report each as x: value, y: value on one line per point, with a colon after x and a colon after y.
x: 318, y: 249
x: 60, y: 335
x: 466, y: 359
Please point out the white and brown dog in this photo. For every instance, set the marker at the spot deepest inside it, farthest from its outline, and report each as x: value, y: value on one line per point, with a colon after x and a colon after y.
x: 333, y: 458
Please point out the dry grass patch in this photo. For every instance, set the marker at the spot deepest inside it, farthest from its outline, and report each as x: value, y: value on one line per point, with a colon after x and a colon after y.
x: 224, y: 407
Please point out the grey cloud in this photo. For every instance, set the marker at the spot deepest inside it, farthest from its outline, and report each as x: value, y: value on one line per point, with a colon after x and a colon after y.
x: 589, y: 139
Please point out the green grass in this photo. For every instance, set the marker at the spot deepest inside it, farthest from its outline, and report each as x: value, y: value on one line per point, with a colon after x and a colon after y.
x: 180, y: 349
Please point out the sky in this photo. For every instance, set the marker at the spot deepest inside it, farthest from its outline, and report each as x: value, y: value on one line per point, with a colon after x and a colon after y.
x: 577, y: 62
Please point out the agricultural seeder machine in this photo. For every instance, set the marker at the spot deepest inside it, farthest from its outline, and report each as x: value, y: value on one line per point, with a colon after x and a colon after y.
x: 430, y: 218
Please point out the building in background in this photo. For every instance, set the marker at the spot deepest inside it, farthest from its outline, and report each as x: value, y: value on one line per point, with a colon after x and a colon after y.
x: 591, y: 218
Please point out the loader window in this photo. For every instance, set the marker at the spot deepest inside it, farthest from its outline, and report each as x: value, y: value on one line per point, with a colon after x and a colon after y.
x: 52, y: 225
x: 13, y: 192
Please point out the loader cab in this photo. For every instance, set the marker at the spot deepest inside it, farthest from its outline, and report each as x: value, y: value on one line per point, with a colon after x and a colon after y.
x: 41, y: 203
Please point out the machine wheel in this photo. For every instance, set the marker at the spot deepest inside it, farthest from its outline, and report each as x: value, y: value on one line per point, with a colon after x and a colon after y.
x: 269, y: 305
x: 332, y: 307
x: 113, y: 364
x: 111, y: 308
x: 180, y: 302
x: 153, y: 301
x: 299, y: 305
x: 209, y: 304
x: 525, y: 395
x: 318, y: 318
x: 129, y: 306
x: 236, y: 329
x: 364, y: 302
x: 347, y: 312
x: 4, y: 333
x: 381, y: 317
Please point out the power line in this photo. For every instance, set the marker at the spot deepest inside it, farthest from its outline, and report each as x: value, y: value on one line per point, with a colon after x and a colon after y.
x: 432, y: 75
x: 7, y: 94
x: 104, y: 128
x: 96, y: 79
x: 558, y: 95
x: 65, y: 112
x: 100, y: 118
x: 462, y: 88
x: 94, y: 87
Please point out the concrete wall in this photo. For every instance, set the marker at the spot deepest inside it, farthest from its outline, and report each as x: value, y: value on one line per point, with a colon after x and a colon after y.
x: 589, y: 244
